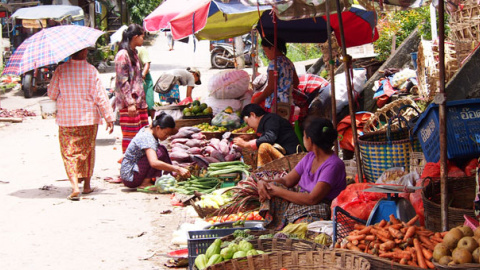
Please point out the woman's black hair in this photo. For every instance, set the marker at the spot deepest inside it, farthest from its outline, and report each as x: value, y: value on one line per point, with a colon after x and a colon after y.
x: 321, y: 132
x: 268, y: 41
x: 132, y: 30
x: 255, y: 108
x: 163, y: 120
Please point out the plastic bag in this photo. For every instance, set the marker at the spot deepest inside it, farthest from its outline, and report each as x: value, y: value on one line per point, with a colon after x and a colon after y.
x: 357, y: 202
x: 401, y: 77
x: 228, y: 120
x: 358, y: 81
x: 417, y: 202
x: 229, y: 84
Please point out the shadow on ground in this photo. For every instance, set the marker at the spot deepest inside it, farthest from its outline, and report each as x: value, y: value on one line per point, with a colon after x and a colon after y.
x: 52, y: 191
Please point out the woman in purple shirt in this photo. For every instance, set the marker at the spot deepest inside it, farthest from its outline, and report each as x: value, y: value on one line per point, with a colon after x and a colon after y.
x: 305, y: 193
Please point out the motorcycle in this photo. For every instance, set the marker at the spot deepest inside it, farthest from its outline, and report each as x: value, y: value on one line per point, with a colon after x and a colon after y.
x: 223, y: 54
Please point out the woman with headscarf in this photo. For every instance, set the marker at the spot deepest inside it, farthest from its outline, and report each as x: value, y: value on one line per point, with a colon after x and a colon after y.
x: 129, y: 93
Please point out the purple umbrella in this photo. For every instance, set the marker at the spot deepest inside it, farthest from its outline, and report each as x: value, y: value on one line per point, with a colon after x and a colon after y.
x: 50, y: 46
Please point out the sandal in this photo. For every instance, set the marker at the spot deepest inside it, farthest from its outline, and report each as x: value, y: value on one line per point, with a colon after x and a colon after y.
x: 73, y: 198
x: 149, y: 189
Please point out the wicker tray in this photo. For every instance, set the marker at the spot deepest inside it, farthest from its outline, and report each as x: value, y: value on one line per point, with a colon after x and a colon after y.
x: 211, y: 135
x: 377, y: 263
x: 286, y: 163
x: 462, y: 192
x: 191, y: 122
x: 203, y: 212
x: 378, y: 121
x: 297, y: 260
x: 245, y: 136
x: 466, y: 266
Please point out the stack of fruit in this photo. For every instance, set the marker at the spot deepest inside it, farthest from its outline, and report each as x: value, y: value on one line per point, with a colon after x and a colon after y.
x: 460, y: 246
x: 197, y: 109
x: 206, y: 127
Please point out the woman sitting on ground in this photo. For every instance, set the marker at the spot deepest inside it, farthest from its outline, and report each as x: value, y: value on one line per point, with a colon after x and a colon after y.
x: 145, y: 158
x: 305, y: 193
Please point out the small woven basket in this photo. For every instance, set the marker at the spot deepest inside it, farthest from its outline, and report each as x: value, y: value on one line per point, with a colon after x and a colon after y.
x: 203, y: 212
x: 378, y: 121
x: 191, y: 122
x: 461, y: 191
x: 297, y: 260
x: 250, y: 157
x: 211, y: 135
x: 465, y: 266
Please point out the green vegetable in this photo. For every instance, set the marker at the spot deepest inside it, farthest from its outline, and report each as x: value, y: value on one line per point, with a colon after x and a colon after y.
x: 201, y: 261
x: 216, y: 258
x: 239, y: 254
x: 252, y: 252
x: 260, y: 251
x: 234, y: 247
x: 227, y: 253
x: 245, y: 246
x: 214, y: 248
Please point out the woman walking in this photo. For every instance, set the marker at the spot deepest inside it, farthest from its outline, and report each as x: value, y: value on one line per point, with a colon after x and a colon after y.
x: 82, y: 102
x: 130, y: 96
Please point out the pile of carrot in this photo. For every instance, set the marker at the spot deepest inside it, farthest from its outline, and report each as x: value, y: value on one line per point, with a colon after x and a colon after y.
x: 403, y: 243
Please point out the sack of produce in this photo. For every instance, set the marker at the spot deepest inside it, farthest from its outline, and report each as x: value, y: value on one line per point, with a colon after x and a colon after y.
x: 225, y: 119
x: 229, y: 84
x: 219, y: 105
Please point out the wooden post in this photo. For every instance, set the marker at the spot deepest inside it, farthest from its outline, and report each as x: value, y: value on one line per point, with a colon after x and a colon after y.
x: 331, y: 71
x: 348, y: 62
x: 441, y: 101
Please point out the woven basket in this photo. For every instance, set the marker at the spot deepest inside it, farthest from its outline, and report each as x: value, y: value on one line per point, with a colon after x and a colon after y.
x: 461, y: 193
x: 297, y: 260
x: 465, y: 266
x: 191, y: 122
x: 203, y: 212
x: 463, y: 48
x: 286, y: 163
x: 380, y: 152
x: 211, y: 135
x: 378, y: 121
x: 377, y: 263
x: 245, y: 136
x: 465, y: 22
x: 250, y: 157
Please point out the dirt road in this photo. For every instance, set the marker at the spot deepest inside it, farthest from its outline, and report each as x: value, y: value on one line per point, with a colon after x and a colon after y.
x: 112, y: 228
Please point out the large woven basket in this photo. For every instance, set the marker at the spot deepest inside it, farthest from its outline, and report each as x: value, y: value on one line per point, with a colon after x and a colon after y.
x: 461, y: 193
x: 203, y: 212
x: 465, y: 266
x: 377, y: 263
x: 381, y: 152
x: 378, y: 121
x: 191, y: 122
x: 286, y: 163
x: 297, y: 260
x: 464, y: 23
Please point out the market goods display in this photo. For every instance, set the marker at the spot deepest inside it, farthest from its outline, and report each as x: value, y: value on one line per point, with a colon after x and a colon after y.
x: 199, y: 184
x: 209, y: 128
x: 222, y: 168
x: 239, y: 130
x: 240, y: 216
x: 227, y: 118
x: 229, y: 84
x: 395, y: 241
x: 460, y: 248
x: 215, y: 199
x: 197, y: 109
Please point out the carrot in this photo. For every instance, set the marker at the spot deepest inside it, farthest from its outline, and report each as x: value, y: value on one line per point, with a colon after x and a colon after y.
x: 395, y: 233
x: 382, y: 223
x: 370, y: 237
x: 387, y: 245
x: 437, y: 239
x: 393, y: 219
x: 413, y: 220
x: 437, y: 234
x: 354, y: 242
x: 358, y: 226
x: 425, y: 240
x: 337, y: 245
x: 442, y: 234
x: 424, y: 233
x: 352, y: 247
x: 382, y: 233
x: 410, y: 232
x: 427, y: 254
x: 404, y: 230
x: 362, y: 246
x: 430, y: 264
x: 403, y: 261
x: 365, y: 230
x: 396, y: 255
x: 412, y: 263
x: 396, y: 226
x: 355, y: 237
x: 418, y: 250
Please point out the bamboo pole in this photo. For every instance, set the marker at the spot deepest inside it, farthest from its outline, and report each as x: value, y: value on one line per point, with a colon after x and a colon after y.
x: 275, y: 72
x: 347, y: 59
x: 331, y: 73
x: 440, y: 100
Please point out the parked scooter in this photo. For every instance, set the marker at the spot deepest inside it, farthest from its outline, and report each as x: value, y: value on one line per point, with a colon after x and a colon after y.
x: 223, y: 54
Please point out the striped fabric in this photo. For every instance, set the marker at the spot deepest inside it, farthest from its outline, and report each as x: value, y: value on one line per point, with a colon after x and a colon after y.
x: 77, y: 146
x: 310, y: 82
x: 131, y: 125
x: 81, y: 98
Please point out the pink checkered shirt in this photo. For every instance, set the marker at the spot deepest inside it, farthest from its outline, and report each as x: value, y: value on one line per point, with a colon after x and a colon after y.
x: 81, y: 98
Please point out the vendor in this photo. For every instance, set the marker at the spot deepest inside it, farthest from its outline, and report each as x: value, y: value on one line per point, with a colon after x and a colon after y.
x: 146, y: 158
x: 305, y: 193
x: 188, y: 77
x: 272, y: 130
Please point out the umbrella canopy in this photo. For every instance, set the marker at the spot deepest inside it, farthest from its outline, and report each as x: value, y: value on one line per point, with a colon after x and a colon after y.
x: 161, y: 16
x: 50, y: 46
x: 56, y: 12
x: 359, y: 27
x: 215, y: 20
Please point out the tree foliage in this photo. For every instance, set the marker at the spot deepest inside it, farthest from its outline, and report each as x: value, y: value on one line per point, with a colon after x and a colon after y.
x: 139, y: 9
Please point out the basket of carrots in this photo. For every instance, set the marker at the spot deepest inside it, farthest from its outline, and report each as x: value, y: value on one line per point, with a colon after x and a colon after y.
x: 393, y: 244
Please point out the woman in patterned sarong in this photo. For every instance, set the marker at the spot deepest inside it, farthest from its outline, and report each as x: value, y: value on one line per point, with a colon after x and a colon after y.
x: 306, y: 192
x: 129, y: 93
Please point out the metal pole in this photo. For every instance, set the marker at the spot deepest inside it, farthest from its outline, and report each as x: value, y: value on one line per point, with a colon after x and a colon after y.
x: 347, y: 60
x: 275, y: 73
x: 331, y: 71
x: 442, y: 111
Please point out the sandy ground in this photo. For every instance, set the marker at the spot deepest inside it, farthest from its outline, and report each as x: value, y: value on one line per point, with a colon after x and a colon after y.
x: 112, y: 228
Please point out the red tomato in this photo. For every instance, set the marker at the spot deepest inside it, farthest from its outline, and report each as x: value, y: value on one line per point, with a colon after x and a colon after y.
x: 251, y: 216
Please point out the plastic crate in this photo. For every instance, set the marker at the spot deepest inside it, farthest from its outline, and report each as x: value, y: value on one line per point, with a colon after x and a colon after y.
x: 343, y: 223
x: 463, y: 130
x: 199, y: 241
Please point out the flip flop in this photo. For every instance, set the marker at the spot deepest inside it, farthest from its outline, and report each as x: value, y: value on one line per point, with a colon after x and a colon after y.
x: 73, y: 198
x: 149, y: 189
